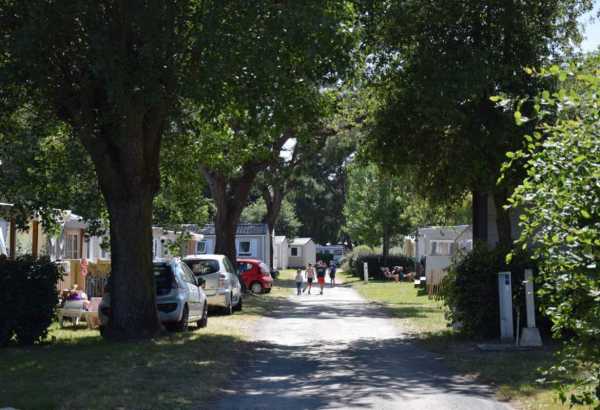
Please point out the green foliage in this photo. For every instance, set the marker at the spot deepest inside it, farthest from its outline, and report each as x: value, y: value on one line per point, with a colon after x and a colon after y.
x: 44, y: 168
x: 436, y: 64
x: 28, y: 297
x: 182, y: 195
x: 287, y: 222
x: 560, y: 203
x: 319, y: 191
x: 350, y: 257
x: 325, y: 257
x: 375, y: 205
x: 470, y: 290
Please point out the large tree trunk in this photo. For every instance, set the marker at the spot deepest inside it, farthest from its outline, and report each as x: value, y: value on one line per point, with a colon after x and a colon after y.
x: 128, y: 174
x: 133, y: 303
x: 230, y: 196
x: 480, y: 219
x: 503, y: 223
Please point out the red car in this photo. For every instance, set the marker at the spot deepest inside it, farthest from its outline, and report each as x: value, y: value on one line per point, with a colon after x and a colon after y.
x: 255, y: 275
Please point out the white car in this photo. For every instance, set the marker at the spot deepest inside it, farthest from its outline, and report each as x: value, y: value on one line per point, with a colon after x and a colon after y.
x: 222, y: 285
x: 180, y: 298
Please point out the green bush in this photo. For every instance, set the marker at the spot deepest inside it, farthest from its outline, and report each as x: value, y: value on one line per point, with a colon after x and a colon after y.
x: 375, y: 263
x: 325, y: 257
x: 28, y: 298
x: 347, y: 261
x: 470, y: 290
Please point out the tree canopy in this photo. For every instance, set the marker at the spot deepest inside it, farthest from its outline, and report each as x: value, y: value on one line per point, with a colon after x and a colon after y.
x: 435, y: 65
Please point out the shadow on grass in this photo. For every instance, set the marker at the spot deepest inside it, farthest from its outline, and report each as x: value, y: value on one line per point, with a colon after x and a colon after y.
x: 175, y: 371
x: 514, y: 372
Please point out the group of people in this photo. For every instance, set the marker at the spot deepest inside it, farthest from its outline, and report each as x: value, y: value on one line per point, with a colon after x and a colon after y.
x: 397, y: 273
x: 319, y: 271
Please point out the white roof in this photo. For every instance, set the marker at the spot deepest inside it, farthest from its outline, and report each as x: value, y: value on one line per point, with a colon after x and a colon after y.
x: 279, y: 239
x: 300, y: 241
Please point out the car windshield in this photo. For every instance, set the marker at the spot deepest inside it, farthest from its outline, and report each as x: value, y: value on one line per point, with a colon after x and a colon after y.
x: 203, y: 267
x: 163, y: 277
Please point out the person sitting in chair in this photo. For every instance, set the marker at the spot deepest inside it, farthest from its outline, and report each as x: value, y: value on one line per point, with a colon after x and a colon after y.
x: 389, y: 275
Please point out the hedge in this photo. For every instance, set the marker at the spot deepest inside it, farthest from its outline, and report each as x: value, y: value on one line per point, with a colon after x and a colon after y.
x: 470, y: 291
x: 28, y: 299
x: 375, y: 263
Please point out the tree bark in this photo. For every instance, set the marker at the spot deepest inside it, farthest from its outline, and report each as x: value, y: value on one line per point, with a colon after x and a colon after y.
x: 503, y: 222
x: 133, y: 303
x: 127, y: 165
x: 230, y: 196
x: 480, y: 220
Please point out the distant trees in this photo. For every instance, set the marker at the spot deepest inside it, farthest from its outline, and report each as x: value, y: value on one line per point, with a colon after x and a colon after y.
x: 375, y: 207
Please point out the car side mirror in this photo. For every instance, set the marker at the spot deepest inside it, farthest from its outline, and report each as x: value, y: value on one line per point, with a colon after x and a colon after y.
x: 201, y: 282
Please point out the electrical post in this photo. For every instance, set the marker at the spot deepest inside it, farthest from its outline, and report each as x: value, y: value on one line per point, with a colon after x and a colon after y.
x: 506, y: 311
x: 530, y: 335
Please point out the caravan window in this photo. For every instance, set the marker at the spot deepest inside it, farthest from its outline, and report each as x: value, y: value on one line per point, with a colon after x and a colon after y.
x: 244, y: 249
x: 441, y: 248
x: 201, y: 247
x: 72, y: 246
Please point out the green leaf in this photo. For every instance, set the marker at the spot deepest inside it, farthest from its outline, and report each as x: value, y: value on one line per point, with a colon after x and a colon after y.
x: 585, y: 214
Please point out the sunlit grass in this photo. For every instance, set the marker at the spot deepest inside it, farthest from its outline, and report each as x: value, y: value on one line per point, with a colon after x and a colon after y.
x: 413, y: 310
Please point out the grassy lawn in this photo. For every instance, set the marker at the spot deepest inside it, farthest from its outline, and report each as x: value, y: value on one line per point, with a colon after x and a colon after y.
x: 77, y: 369
x: 513, y: 373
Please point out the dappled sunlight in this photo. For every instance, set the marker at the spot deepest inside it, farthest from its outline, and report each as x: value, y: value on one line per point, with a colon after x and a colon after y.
x: 362, y: 373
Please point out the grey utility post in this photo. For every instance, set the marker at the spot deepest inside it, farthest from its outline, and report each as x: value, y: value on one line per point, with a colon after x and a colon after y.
x: 506, y: 314
x: 366, y: 272
x: 530, y: 335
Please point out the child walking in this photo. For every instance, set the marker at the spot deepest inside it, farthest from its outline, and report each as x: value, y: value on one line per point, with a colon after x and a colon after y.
x: 310, y: 276
x: 321, y: 268
x: 299, y: 280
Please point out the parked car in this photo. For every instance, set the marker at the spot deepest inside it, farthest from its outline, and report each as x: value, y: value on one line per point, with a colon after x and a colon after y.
x: 180, y: 298
x: 255, y: 275
x: 222, y: 288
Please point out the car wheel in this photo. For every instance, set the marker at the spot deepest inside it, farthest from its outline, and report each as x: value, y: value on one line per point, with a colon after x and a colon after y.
x: 256, y: 287
x: 204, y: 321
x: 228, y: 309
x: 238, y: 306
x: 182, y: 325
x: 268, y: 290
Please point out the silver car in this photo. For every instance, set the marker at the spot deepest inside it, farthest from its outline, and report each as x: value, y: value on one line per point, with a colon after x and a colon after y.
x: 222, y: 288
x: 180, y: 298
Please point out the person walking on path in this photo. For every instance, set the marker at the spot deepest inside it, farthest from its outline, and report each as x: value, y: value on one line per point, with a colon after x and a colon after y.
x: 299, y: 280
x: 332, y: 268
x: 310, y: 276
x: 321, y: 271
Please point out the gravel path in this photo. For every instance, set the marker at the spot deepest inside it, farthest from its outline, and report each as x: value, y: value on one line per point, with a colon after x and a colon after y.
x: 337, y: 351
